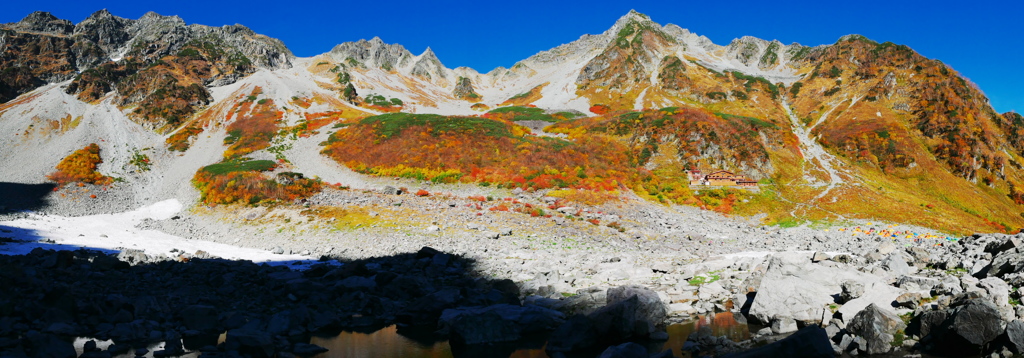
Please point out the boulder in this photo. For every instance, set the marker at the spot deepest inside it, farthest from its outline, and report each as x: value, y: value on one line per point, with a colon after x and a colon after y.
x: 877, y: 292
x: 916, y: 283
x: 895, y: 265
x: 650, y: 307
x: 199, y: 318
x: 625, y: 350
x: 498, y: 323
x: 810, y: 342
x: 1015, y: 332
x: 933, y: 323
x: 978, y: 322
x: 425, y: 310
x: 576, y: 334
x: 1005, y: 262
x: 909, y: 300
x: 45, y: 345
x: 783, y: 325
x: 251, y: 342
x: 877, y: 326
x: 819, y: 256
x: 794, y: 287
x: 851, y: 290
x: 617, y: 322
x: 999, y: 293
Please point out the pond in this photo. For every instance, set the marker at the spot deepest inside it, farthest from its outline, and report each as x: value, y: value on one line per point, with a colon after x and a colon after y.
x: 393, y: 341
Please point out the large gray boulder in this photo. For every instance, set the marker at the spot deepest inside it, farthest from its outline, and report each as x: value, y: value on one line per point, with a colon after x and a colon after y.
x: 650, y: 307
x: 1015, y: 332
x: 877, y: 326
x: 895, y: 265
x: 978, y: 322
x: 877, y: 292
x: 1005, y: 262
x: 794, y: 287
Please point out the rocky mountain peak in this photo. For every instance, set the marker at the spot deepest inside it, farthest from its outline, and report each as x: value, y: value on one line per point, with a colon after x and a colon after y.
x: 41, y: 21
x: 372, y: 53
x: 428, y: 65
x: 632, y: 17
x: 104, y: 30
x: 102, y: 14
x: 429, y: 54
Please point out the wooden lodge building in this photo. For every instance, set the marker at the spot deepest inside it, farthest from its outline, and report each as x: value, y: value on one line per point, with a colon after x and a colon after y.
x: 720, y: 178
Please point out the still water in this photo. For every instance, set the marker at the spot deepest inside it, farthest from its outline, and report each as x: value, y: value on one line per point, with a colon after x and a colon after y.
x: 390, y: 342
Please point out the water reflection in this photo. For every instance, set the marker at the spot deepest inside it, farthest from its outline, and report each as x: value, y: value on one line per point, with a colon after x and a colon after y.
x: 389, y: 342
x: 385, y: 342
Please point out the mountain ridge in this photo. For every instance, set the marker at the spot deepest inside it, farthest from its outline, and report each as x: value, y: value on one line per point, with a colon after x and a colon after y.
x: 827, y: 129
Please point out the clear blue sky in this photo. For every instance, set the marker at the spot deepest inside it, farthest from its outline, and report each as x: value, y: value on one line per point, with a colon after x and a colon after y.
x: 983, y: 40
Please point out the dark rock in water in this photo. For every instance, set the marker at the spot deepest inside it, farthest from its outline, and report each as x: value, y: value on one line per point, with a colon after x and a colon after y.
x: 486, y: 327
x: 877, y: 326
x: 289, y: 322
x: 255, y: 343
x: 810, y: 342
x: 427, y: 309
x: 306, y: 350
x: 200, y: 318
x: 497, y: 323
x: 610, y: 324
x: 1015, y: 332
x: 978, y: 322
x: 625, y: 350
x: 45, y: 345
x: 650, y: 307
x: 576, y: 334
x: 617, y: 322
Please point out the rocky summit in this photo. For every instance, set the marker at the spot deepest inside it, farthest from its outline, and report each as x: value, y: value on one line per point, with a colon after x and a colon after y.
x: 195, y: 190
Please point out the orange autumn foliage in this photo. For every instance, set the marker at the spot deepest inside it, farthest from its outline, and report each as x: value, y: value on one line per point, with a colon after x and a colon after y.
x: 252, y: 130
x: 252, y: 187
x: 80, y: 166
x: 474, y: 149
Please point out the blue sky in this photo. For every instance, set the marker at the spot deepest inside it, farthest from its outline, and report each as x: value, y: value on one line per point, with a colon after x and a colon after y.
x: 984, y: 40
